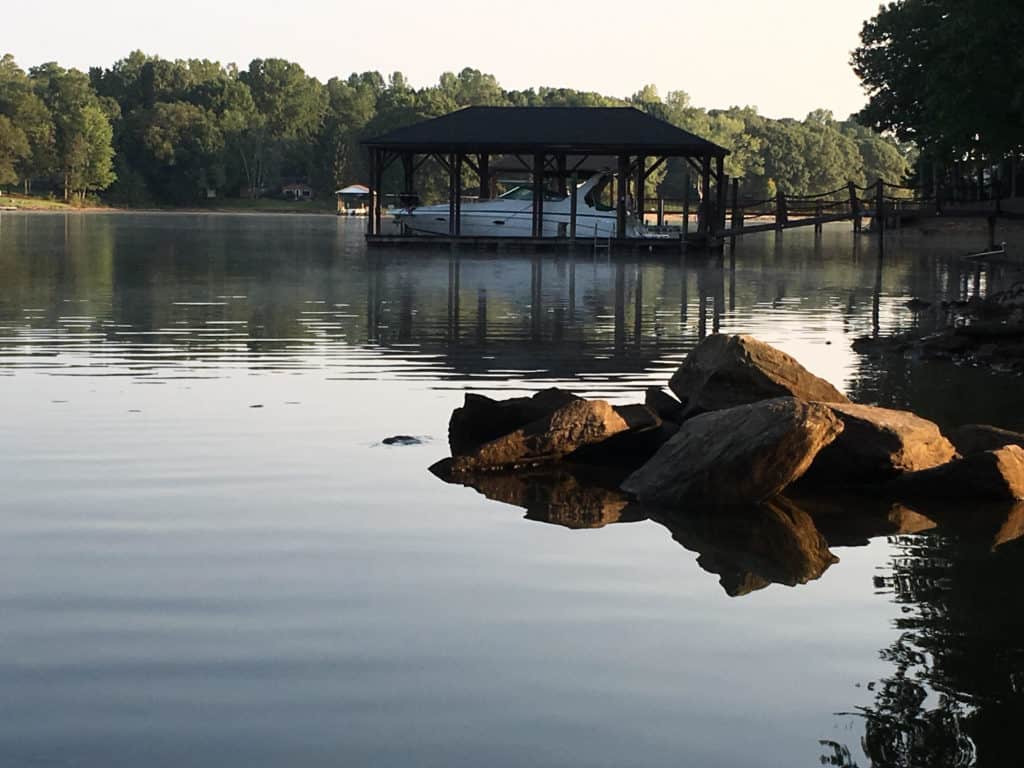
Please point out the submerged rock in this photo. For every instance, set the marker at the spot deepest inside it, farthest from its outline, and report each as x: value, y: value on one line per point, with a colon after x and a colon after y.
x: 741, y: 455
x: 571, y: 427
x: 482, y: 419
x: 877, y: 444
x: 988, y: 476
x: 976, y: 438
x: 402, y: 440
x: 726, y: 371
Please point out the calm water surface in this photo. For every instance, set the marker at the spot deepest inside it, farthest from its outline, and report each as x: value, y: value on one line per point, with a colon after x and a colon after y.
x: 207, y: 557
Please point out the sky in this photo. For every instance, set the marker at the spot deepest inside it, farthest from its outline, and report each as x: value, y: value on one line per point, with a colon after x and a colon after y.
x: 786, y: 57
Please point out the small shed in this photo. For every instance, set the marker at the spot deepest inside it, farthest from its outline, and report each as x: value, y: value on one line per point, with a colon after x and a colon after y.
x: 551, y: 142
x: 297, y: 191
x: 353, y: 200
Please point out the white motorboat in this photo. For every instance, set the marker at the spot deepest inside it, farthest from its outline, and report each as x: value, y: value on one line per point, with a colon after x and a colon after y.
x: 511, y: 214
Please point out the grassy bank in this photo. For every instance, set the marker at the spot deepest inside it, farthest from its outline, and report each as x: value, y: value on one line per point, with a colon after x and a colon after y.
x: 23, y: 203
x: 226, y: 205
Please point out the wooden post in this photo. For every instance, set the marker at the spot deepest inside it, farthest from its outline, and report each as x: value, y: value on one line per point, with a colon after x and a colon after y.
x: 484, y: 168
x: 371, y: 201
x: 817, y: 215
x: 880, y: 206
x: 573, y: 203
x: 781, y: 211
x: 737, y: 212
x: 622, y: 191
x: 685, y: 229
x: 703, y: 220
x: 378, y: 184
x: 538, y: 196
x: 562, y: 173
x: 854, y: 206
x: 641, y: 179
x: 661, y: 212
x: 457, y: 175
x: 451, y: 195
x: 721, y: 190
x: 408, y: 177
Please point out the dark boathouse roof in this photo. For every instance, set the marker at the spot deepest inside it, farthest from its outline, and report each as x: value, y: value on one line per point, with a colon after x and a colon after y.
x: 612, y: 130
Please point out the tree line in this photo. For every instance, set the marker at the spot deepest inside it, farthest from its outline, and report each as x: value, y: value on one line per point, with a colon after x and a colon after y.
x: 149, y: 130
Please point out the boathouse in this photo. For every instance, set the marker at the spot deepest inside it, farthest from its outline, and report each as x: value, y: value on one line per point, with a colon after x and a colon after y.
x: 555, y: 145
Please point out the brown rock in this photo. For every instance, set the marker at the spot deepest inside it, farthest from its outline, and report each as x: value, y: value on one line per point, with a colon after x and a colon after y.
x: 663, y: 404
x: 482, y: 419
x: 628, y: 451
x: 977, y: 438
x: 992, y: 475
x: 876, y: 445
x: 726, y: 371
x: 580, y: 423
x: 741, y: 455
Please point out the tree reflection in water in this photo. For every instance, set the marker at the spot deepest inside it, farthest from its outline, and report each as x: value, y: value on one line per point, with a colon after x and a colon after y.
x: 954, y: 696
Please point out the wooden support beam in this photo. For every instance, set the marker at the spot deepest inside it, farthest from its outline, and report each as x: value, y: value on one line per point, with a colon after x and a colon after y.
x: 372, y: 201
x: 686, y: 206
x: 538, y: 195
x: 562, y: 173
x: 704, y: 221
x: 622, y: 194
x: 378, y: 183
x: 721, y: 188
x: 457, y: 175
x: 641, y: 177
x: 452, y: 194
x: 661, y: 212
x: 573, y: 204
x: 483, y: 172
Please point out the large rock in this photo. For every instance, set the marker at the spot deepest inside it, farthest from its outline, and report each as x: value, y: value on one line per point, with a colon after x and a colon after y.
x: 977, y: 438
x: 989, y: 476
x: 571, y: 427
x: 741, y: 455
x: 726, y: 371
x: 482, y: 419
x: 878, y: 444
x: 628, y: 451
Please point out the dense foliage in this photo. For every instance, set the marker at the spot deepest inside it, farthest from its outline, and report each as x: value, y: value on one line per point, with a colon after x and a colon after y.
x: 947, y: 75
x: 148, y: 130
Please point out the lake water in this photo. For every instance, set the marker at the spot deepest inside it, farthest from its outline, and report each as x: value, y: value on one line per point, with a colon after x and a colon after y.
x: 208, y: 558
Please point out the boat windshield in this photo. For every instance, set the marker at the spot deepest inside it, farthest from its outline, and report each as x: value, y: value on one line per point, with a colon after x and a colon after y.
x: 526, y: 193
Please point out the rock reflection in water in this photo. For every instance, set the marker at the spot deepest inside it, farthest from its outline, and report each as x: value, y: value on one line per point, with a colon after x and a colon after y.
x: 775, y: 542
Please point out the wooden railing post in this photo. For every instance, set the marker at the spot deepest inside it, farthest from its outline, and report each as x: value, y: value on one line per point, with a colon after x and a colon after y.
x: 781, y: 213
x: 818, y: 212
x: 880, y: 206
x: 854, y: 206
x: 737, y: 212
x: 661, y: 212
x: 685, y: 230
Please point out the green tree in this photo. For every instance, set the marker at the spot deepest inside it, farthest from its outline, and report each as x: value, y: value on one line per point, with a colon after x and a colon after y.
x: 82, y: 129
x: 946, y: 74
x: 13, y: 149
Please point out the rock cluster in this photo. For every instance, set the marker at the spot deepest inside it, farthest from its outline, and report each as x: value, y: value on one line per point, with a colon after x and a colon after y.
x: 751, y: 428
